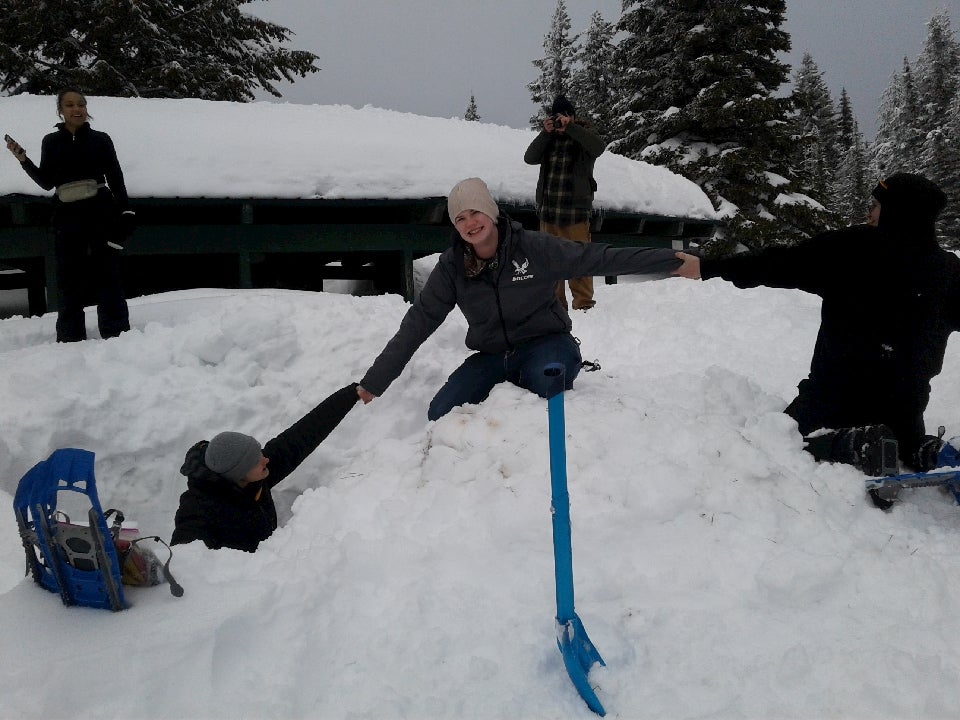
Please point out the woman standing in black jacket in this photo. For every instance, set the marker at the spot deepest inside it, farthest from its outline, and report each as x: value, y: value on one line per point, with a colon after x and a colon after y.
x: 91, y: 218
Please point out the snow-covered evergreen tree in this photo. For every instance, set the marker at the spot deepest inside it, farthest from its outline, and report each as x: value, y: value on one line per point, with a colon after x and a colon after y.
x: 899, y: 137
x: 816, y: 133
x: 593, y: 84
x: 856, y: 177
x: 556, y: 65
x: 937, y: 75
x: 845, y: 120
x: 949, y: 175
x: 471, y: 111
x: 146, y: 48
x: 917, y: 125
x: 699, y: 82
x: 936, y: 72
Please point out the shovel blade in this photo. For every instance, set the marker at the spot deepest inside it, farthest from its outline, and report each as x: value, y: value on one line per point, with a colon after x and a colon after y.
x: 579, y: 655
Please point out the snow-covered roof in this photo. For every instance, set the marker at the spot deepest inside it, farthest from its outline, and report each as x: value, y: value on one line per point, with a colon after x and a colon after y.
x: 200, y: 148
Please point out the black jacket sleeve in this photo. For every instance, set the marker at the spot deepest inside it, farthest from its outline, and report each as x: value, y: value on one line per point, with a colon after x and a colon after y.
x: 113, y: 172
x: 294, y: 445
x: 43, y: 175
x: 816, y: 265
x: 191, y: 524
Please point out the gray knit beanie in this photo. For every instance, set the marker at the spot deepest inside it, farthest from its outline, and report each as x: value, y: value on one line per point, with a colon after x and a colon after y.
x: 471, y: 194
x: 232, y: 455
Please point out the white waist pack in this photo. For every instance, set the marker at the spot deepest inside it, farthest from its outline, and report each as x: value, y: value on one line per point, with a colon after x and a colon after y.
x: 78, y: 190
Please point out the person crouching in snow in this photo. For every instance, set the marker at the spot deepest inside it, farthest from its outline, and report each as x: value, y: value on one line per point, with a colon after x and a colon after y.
x: 890, y: 300
x: 504, y: 279
x: 228, y: 503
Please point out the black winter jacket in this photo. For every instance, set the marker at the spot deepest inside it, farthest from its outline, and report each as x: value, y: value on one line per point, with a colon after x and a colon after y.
x: 891, y: 298
x: 221, y: 513
x: 86, y: 155
x: 513, y: 300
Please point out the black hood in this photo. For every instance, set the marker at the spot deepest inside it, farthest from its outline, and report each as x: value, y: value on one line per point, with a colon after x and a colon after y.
x: 909, y: 206
x: 196, y: 469
x: 202, y: 478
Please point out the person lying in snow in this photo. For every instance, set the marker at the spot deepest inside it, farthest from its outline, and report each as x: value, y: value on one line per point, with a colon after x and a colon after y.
x: 891, y: 298
x: 228, y: 503
x: 504, y: 280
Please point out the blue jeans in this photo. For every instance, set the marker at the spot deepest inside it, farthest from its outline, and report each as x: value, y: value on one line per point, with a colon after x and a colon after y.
x: 523, y: 366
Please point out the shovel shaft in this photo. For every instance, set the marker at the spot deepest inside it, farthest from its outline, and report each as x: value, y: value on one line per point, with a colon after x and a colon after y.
x: 579, y: 654
x: 560, y: 498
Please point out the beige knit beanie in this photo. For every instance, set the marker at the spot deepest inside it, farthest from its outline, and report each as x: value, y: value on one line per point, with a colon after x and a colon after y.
x: 471, y: 194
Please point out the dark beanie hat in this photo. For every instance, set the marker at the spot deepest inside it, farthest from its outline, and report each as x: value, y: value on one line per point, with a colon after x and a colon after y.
x: 909, y: 195
x: 232, y: 455
x: 562, y: 105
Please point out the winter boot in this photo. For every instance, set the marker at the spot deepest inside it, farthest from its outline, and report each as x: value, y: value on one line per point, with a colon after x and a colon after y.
x: 872, y: 449
x: 934, y: 452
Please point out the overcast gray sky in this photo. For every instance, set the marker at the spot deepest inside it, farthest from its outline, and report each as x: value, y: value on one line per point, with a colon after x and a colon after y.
x: 428, y: 56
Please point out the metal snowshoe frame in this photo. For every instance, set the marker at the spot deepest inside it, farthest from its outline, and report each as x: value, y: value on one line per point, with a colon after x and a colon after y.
x: 78, y: 562
x: 579, y: 653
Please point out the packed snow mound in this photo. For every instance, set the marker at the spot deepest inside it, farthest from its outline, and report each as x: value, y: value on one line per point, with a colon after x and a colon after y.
x: 720, y: 571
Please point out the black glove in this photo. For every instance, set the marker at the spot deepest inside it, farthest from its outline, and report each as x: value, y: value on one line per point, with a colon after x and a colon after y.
x: 125, y: 227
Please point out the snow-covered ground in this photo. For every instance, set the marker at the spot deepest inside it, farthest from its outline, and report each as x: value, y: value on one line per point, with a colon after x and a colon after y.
x: 721, y: 572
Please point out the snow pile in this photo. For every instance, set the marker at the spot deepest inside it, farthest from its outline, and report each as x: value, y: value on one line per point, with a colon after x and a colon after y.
x: 720, y: 571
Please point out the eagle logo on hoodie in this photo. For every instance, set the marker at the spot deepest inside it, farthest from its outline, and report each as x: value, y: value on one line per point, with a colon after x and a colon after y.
x: 520, y: 270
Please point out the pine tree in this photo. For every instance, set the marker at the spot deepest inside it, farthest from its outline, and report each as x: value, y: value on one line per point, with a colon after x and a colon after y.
x: 937, y: 77
x: 698, y: 82
x: 145, y: 48
x: 899, y: 138
x: 471, y: 112
x: 949, y: 175
x: 845, y: 119
x: 855, y: 172
x: 593, y: 85
x: 855, y: 179
x: 816, y: 132
x: 556, y: 65
x: 936, y: 72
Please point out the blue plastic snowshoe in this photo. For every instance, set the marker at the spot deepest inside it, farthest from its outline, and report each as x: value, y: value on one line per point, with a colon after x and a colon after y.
x: 949, y: 455
x: 939, y: 461
x: 77, y: 561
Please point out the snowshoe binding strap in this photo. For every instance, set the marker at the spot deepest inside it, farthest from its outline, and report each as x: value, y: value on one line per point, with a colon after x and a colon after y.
x: 176, y: 589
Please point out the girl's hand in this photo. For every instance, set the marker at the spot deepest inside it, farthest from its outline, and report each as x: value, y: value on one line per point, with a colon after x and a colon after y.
x: 690, y: 268
x: 18, y: 152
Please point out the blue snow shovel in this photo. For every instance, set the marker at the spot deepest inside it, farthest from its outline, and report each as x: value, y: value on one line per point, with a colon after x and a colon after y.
x: 578, y: 652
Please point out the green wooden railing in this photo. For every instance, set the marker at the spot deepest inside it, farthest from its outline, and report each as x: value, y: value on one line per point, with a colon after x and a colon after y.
x: 231, y: 239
